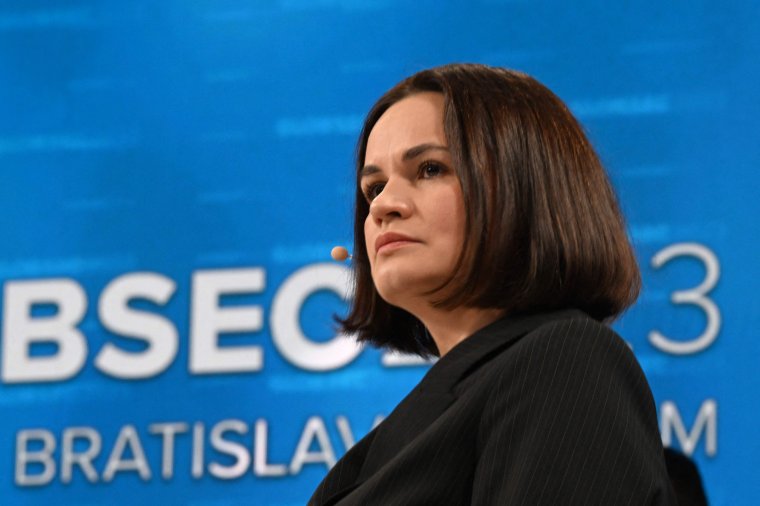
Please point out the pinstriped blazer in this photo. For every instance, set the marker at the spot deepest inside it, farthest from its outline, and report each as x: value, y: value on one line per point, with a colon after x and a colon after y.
x: 544, y: 409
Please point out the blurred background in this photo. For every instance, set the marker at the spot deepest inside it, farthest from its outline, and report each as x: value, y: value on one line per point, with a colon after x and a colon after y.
x: 173, y: 175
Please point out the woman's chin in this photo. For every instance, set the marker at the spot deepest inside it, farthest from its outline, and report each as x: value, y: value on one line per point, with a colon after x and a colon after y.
x: 402, y: 290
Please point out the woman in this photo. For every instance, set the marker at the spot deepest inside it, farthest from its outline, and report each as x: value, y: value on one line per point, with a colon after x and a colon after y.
x: 487, y: 233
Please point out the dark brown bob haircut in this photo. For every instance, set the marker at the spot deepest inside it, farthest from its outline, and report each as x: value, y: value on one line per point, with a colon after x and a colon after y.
x: 543, y: 229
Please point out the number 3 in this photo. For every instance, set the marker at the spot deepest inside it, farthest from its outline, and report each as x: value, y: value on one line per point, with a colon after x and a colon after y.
x: 694, y: 295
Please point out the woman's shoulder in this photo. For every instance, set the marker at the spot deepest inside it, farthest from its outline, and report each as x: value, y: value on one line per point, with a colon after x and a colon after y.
x: 569, y: 400
x: 563, y: 354
x: 574, y: 337
x: 578, y: 369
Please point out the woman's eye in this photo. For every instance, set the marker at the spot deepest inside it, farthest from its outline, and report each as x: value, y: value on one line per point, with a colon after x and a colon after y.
x: 373, y: 191
x: 430, y: 169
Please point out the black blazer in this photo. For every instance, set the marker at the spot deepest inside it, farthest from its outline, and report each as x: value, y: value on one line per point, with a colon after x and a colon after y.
x: 546, y: 409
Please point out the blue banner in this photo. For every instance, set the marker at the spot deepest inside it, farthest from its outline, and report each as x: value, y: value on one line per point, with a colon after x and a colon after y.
x: 174, y: 174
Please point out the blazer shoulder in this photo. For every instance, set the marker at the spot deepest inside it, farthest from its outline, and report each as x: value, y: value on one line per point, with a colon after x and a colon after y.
x: 569, y: 418
x: 577, y: 338
x: 578, y: 359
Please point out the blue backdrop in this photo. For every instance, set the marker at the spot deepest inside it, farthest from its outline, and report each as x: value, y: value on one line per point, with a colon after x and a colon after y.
x: 173, y: 175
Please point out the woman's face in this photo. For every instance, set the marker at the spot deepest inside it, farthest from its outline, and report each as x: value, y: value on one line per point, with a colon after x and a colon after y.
x: 415, y: 227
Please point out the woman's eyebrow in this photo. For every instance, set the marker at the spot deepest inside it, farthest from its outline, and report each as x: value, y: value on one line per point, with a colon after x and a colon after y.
x: 410, y: 154
x: 368, y: 170
x: 418, y: 150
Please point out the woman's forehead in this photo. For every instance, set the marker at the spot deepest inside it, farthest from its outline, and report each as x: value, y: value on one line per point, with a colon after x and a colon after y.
x: 414, y: 120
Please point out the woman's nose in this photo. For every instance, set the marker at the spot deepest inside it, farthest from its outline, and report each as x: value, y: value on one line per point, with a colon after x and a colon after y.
x: 393, y: 202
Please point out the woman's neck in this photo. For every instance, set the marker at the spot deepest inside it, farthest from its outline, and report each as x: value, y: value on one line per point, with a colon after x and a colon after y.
x: 449, y: 327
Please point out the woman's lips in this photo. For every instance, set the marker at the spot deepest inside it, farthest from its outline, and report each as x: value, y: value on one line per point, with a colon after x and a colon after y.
x: 392, y: 240
x: 394, y: 245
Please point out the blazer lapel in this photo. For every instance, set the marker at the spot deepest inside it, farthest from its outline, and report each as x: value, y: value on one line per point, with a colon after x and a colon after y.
x: 416, y: 412
x: 343, y: 477
x: 411, y: 416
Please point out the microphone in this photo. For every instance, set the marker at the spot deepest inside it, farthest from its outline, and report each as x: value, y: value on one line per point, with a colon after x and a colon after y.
x: 339, y: 254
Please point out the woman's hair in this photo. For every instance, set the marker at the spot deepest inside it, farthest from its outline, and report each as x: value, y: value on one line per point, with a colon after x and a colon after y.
x: 543, y: 229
